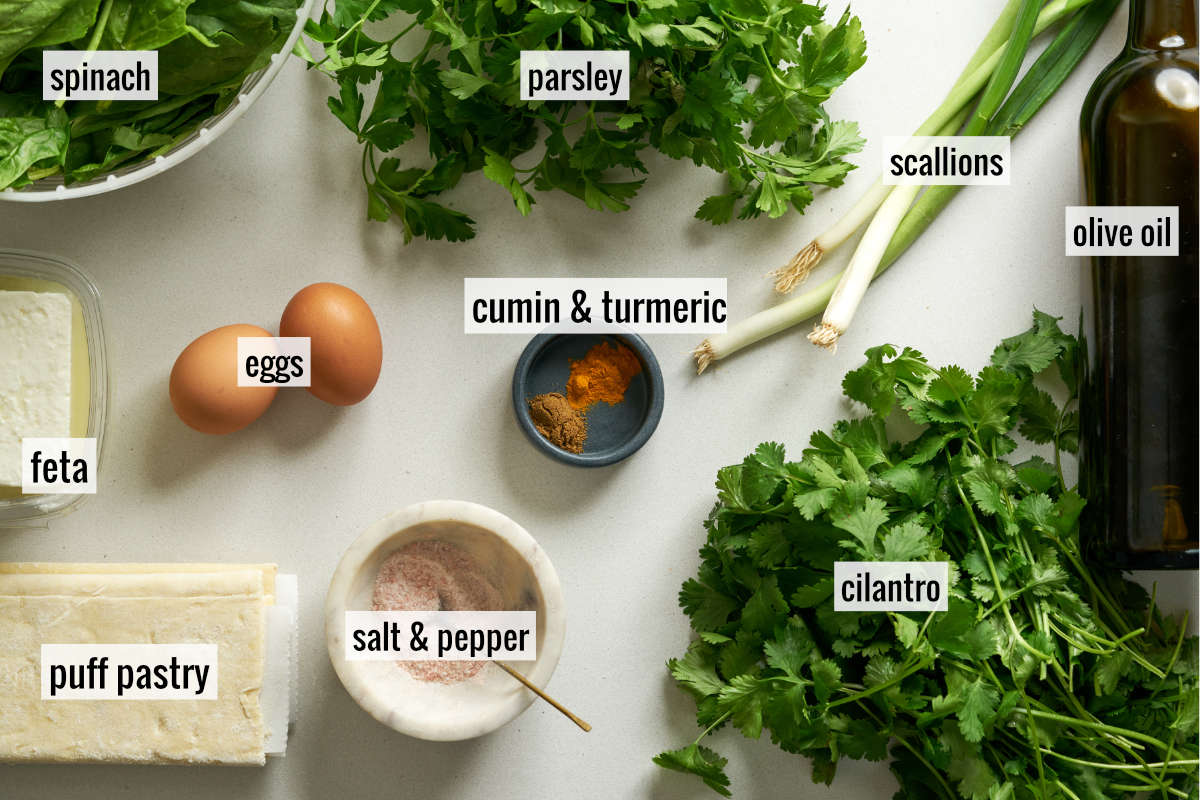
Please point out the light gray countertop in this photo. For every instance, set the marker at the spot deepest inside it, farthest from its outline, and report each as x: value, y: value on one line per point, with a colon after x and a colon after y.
x: 277, y: 203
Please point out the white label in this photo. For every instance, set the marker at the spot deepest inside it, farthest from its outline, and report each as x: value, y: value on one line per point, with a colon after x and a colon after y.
x: 574, y: 74
x: 595, y: 305
x: 99, y: 75
x: 58, y: 465
x: 947, y: 160
x: 890, y: 585
x: 129, y: 672
x: 441, y: 635
x: 274, y: 361
x: 1122, y: 230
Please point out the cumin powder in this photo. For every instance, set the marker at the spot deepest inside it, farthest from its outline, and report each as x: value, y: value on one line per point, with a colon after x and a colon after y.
x: 562, y: 425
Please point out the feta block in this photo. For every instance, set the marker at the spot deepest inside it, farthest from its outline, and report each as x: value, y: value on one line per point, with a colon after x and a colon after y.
x: 35, y: 373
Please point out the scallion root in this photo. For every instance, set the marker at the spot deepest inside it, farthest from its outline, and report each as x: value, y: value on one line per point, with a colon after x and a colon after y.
x: 704, y: 356
x: 825, y: 335
x: 796, y: 271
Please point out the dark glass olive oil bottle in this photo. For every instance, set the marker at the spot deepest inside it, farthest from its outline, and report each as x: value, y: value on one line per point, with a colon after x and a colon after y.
x: 1140, y: 415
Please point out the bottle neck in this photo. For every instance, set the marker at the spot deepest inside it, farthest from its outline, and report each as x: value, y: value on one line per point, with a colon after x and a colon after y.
x: 1162, y: 24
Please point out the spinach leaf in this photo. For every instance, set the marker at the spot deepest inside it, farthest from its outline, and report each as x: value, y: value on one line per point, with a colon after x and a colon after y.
x: 22, y: 22
x: 26, y: 142
x: 206, y: 50
x: 144, y: 24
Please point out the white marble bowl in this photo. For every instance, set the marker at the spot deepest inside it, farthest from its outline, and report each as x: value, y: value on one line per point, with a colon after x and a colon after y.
x: 526, y: 578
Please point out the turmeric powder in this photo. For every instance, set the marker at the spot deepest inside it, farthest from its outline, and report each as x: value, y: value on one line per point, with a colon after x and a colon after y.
x: 602, y: 375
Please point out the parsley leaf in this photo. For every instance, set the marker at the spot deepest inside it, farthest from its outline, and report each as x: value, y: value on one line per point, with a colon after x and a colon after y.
x: 691, y: 68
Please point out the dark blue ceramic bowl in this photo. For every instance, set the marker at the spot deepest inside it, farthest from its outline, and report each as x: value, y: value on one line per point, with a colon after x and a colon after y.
x: 614, y: 432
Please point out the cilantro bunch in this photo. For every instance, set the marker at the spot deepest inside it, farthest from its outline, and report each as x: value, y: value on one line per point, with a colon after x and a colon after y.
x: 1045, y: 678
x: 734, y: 85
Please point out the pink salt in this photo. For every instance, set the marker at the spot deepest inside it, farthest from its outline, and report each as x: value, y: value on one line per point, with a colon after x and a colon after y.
x: 432, y: 575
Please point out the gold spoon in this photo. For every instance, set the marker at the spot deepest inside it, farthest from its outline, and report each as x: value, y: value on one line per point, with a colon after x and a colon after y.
x: 543, y: 695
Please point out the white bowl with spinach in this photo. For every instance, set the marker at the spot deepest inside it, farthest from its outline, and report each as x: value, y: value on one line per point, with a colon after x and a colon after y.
x: 215, y: 57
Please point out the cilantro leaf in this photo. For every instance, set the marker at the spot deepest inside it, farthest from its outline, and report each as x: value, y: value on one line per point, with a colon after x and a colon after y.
x: 863, y: 523
x: 827, y: 678
x: 708, y: 608
x: 976, y: 708
x: 699, y: 761
x: 744, y: 698
x: 768, y: 544
x: 790, y: 649
x: 908, y: 541
x: 1029, y: 622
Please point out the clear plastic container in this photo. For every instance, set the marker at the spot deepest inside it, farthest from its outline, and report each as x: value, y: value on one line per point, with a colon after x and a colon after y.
x: 22, y: 270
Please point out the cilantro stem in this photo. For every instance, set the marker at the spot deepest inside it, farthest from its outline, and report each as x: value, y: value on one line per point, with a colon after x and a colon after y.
x: 710, y: 728
x: 1033, y: 737
x: 1097, y: 726
x: 1066, y: 637
x: 1174, y: 766
x: 1016, y: 592
x: 1178, y: 642
x: 903, y: 742
x: 1084, y: 573
x: 742, y: 20
x: 921, y: 663
x: 1066, y: 790
x: 1128, y: 788
x: 987, y: 554
x: 949, y: 792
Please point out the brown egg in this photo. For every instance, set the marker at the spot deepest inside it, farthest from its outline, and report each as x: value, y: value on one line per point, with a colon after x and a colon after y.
x: 204, y: 390
x: 347, y: 351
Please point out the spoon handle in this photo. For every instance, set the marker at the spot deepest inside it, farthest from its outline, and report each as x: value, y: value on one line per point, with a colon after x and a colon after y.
x: 543, y: 695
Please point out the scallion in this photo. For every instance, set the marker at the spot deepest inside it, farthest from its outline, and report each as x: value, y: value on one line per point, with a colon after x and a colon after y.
x: 908, y: 220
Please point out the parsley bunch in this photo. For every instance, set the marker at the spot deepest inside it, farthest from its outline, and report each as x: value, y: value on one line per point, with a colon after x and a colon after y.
x: 734, y: 85
x: 1045, y: 678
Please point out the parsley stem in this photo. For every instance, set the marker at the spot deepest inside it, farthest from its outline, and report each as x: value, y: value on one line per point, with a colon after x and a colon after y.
x: 772, y: 72
x: 358, y: 23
